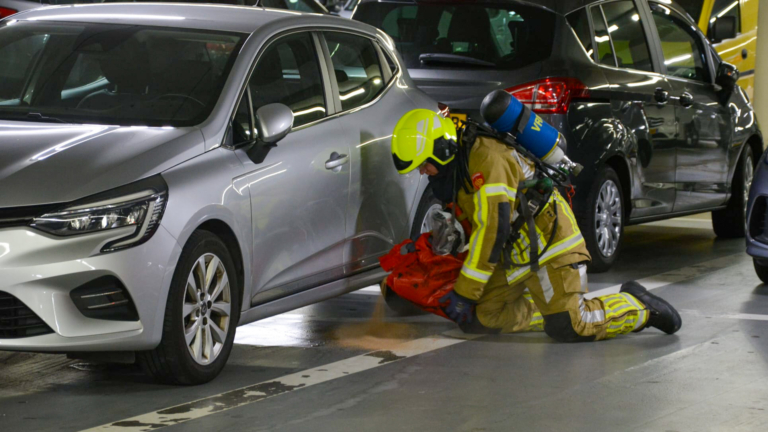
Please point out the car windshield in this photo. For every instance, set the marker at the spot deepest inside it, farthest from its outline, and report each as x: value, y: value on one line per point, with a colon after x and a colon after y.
x: 507, y: 36
x: 112, y: 74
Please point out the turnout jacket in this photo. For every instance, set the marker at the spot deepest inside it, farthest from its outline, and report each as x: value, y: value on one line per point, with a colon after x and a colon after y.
x: 491, y: 208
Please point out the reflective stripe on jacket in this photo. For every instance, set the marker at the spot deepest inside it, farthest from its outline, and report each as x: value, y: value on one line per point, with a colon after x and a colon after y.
x: 490, y: 209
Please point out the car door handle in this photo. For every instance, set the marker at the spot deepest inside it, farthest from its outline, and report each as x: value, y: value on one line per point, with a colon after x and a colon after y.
x: 686, y: 99
x: 661, y: 96
x: 336, y: 161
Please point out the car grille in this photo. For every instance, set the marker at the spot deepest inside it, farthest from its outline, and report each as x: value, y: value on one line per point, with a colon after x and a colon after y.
x: 757, y: 220
x: 17, y: 216
x: 18, y: 321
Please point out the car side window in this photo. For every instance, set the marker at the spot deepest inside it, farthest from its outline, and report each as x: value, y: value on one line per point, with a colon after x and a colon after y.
x: 602, y: 38
x: 684, y: 53
x: 357, y: 68
x: 288, y: 72
x: 724, y: 8
x: 627, y: 34
x: 580, y: 24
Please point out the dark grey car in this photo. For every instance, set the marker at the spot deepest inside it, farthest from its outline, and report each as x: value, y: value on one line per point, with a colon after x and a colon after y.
x: 645, y: 103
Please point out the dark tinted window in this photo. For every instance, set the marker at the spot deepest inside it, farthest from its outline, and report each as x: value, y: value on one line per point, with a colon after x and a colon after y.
x: 627, y: 35
x: 580, y: 24
x: 684, y: 54
x: 113, y: 74
x: 505, y: 37
x: 723, y: 8
x: 356, y: 65
x: 602, y: 38
x: 692, y: 7
x: 288, y: 72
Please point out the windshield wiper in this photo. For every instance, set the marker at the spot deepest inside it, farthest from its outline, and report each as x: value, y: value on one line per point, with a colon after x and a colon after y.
x: 453, y: 58
x: 42, y: 118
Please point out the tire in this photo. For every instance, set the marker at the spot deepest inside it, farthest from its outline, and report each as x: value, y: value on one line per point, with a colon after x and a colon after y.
x: 603, y: 234
x: 761, y: 270
x: 173, y: 361
x: 731, y: 222
x: 427, y: 204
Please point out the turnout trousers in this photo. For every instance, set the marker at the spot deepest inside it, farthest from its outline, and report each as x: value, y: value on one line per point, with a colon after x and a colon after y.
x: 552, y: 300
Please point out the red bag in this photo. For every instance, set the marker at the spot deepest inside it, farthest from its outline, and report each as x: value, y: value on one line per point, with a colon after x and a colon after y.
x: 421, y: 276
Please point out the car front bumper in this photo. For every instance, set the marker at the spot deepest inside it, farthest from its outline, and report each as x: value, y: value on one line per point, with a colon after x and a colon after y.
x: 41, y: 271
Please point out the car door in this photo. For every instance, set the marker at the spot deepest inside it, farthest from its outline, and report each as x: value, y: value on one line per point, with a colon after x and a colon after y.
x: 639, y: 101
x: 704, y: 123
x: 371, y: 104
x: 299, y: 188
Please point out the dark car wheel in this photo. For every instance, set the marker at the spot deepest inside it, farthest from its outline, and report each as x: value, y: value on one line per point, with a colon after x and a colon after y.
x: 762, y: 270
x: 201, y: 315
x: 427, y: 205
x: 601, y: 220
x: 399, y: 305
x: 731, y: 222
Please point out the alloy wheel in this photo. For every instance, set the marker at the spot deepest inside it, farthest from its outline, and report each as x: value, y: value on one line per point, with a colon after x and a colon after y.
x: 426, y: 224
x: 207, y: 309
x: 749, y: 174
x: 608, y: 218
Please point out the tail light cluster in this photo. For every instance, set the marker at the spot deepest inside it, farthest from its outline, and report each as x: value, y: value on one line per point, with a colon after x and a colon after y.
x: 550, y: 95
x: 5, y: 12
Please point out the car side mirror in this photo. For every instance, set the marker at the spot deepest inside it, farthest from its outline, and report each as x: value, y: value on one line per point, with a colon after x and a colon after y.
x: 273, y: 122
x: 727, y: 75
x: 723, y: 28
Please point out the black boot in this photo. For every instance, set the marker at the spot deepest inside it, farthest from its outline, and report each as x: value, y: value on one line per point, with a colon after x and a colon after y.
x: 661, y: 314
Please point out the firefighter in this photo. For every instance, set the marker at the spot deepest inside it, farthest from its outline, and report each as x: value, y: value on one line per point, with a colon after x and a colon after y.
x: 496, y: 274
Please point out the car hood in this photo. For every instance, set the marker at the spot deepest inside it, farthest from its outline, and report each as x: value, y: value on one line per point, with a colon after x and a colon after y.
x: 46, y: 164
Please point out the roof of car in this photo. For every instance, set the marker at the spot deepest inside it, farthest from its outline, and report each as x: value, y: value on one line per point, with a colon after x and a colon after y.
x: 244, y: 19
x: 559, y: 6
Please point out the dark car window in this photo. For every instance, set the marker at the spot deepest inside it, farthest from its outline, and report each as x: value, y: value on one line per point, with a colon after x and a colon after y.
x: 357, y: 68
x: 134, y: 71
x: 602, y: 38
x: 580, y: 24
x: 627, y: 35
x: 507, y: 37
x: 693, y: 7
x: 724, y: 8
x: 684, y: 52
x: 288, y: 72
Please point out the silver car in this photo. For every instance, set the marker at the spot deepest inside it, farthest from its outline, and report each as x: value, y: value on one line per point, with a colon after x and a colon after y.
x: 168, y: 172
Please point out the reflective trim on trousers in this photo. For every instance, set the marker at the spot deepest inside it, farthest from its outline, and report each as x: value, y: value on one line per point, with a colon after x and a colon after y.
x: 557, y: 249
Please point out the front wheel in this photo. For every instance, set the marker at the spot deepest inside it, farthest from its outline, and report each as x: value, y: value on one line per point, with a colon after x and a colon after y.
x: 731, y: 222
x: 602, y: 220
x: 201, y: 315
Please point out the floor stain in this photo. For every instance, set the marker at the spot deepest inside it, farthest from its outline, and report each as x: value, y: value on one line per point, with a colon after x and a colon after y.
x: 385, y: 356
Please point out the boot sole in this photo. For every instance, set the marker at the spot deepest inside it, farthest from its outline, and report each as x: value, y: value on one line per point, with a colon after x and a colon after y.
x: 639, y: 291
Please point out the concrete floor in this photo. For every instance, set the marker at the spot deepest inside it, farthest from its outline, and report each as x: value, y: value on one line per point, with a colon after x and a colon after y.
x: 347, y: 364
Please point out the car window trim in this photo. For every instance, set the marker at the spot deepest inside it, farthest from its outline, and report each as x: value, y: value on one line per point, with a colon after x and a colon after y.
x: 610, y: 37
x: 335, y: 85
x: 591, y: 27
x: 702, y: 40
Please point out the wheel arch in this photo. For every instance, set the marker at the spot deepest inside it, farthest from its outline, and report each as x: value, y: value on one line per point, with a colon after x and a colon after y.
x: 223, y: 231
x: 619, y: 164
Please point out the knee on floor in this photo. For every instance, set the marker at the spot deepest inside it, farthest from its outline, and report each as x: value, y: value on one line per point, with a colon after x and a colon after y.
x: 560, y: 328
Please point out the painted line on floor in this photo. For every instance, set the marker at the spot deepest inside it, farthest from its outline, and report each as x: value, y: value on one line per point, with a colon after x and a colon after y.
x: 374, y: 290
x: 735, y: 316
x: 257, y: 392
x: 677, y: 275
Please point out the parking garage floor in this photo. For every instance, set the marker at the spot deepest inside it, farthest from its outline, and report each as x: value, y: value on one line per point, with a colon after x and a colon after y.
x: 348, y: 364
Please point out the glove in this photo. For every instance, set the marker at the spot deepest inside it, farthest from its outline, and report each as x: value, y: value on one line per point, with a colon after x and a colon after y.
x: 459, y: 308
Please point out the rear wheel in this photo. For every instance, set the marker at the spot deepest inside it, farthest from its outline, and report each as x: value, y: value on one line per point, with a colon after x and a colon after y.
x: 731, y: 222
x: 601, y: 220
x: 762, y: 270
x: 421, y: 222
x: 201, y: 315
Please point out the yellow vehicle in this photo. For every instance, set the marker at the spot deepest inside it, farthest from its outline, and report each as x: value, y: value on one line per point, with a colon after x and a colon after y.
x: 731, y: 26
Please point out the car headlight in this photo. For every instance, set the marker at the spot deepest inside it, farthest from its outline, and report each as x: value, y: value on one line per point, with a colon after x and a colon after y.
x: 139, y: 205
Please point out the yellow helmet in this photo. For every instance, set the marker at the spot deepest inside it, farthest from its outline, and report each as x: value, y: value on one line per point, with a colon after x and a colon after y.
x: 422, y: 135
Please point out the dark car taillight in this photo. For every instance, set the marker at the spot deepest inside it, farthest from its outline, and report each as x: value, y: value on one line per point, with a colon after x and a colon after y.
x: 6, y: 12
x: 445, y: 111
x: 550, y: 95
